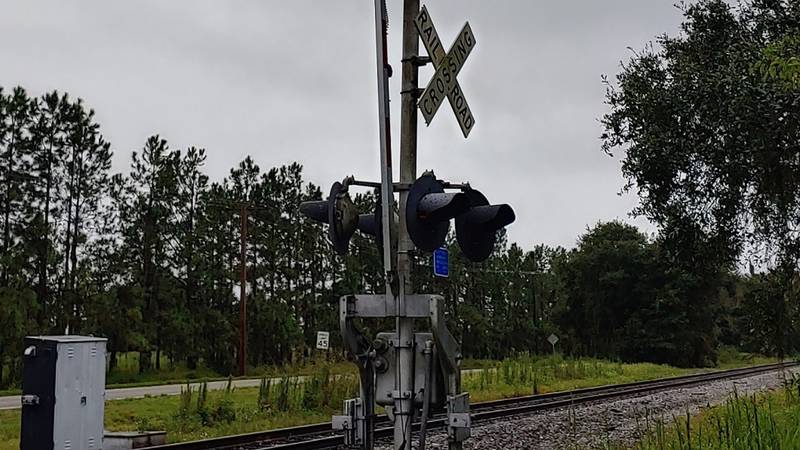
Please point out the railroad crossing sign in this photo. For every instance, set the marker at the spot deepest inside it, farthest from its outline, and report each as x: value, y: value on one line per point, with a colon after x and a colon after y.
x: 447, y: 65
x: 323, y: 340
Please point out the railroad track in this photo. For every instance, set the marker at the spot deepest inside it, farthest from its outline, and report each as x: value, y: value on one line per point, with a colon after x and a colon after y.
x: 320, y: 436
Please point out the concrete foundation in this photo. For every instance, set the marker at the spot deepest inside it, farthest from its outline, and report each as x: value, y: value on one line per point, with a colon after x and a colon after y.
x: 125, y: 440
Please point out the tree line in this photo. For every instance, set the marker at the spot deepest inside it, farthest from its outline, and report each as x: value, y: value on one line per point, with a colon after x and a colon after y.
x: 708, y: 127
x: 151, y: 260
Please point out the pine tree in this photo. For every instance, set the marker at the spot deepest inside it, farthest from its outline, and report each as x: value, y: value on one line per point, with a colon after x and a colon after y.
x: 87, y: 162
x: 147, y: 210
x: 47, y: 145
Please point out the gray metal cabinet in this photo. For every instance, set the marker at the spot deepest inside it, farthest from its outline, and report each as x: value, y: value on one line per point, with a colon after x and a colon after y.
x: 63, y: 393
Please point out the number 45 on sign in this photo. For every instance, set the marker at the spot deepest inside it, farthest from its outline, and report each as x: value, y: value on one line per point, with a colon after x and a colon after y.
x: 323, y: 340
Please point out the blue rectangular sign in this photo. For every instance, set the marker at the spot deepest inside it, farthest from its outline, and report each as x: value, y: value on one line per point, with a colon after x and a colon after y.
x: 441, y: 262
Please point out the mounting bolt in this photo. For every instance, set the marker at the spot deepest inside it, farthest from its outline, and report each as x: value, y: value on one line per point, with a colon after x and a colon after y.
x: 380, y: 364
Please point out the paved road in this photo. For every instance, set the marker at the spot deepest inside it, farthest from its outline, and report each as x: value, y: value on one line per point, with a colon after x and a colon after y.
x: 13, y: 401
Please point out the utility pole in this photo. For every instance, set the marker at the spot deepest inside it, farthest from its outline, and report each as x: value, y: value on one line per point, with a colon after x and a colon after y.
x: 245, y: 207
x: 243, y: 291
x: 404, y: 375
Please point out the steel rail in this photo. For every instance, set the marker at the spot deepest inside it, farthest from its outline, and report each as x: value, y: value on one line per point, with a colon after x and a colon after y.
x: 308, y: 437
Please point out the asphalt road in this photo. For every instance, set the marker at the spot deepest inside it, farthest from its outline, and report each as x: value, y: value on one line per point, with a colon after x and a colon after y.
x: 13, y: 401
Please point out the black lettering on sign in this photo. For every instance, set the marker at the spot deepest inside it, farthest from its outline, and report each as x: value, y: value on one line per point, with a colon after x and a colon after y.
x: 458, y: 98
x: 469, y: 122
x: 447, y: 75
x: 428, y: 35
x: 440, y: 85
x: 462, y: 51
x: 426, y: 106
x: 464, y: 112
x: 447, y: 65
x: 451, y: 64
x: 467, y: 36
x: 434, y: 97
x: 423, y: 16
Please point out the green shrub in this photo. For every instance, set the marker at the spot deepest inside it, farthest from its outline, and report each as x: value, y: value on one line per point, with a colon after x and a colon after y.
x: 186, y: 401
x: 284, y: 389
x: 263, y: 393
x: 224, y: 410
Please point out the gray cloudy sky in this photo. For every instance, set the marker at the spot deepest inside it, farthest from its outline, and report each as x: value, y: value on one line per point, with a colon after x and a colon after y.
x: 295, y: 81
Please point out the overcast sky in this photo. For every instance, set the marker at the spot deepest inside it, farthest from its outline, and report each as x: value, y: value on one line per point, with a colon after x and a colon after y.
x: 295, y: 80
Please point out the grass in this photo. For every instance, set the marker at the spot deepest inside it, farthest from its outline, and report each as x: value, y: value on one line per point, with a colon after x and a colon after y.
x: 200, y: 413
x: 525, y: 375
x: 126, y: 374
x: 761, y: 421
x: 197, y: 415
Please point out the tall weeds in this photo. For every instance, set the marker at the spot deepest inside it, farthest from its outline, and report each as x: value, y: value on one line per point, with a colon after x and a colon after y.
x: 761, y: 421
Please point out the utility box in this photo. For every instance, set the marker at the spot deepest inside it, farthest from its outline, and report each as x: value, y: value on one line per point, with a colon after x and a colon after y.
x: 63, y: 393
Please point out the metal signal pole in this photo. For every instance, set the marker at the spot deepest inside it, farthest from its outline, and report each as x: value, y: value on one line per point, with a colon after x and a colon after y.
x: 386, y: 365
x: 386, y: 194
x: 404, y: 377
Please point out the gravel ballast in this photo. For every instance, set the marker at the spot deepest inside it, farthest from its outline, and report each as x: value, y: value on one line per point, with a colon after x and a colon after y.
x: 593, y: 425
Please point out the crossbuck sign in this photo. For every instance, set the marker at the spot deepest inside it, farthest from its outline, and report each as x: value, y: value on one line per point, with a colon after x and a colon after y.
x: 447, y: 65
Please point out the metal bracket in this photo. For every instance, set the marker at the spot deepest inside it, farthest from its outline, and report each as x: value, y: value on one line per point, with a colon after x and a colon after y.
x: 418, y: 60
x: 342, y: 423
x: 461, y: 186
x: 449, y: 349
x: 397, y: 344
x: 352, y: 181
x: 416, y: 92
x: 378, y: 306
x: 458, y: 418
x: 352, y: 423
x: 398, y: 394
x: 359, y: 428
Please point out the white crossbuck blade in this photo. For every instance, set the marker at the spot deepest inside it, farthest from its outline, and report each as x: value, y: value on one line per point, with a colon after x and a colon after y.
x: 447, y: 65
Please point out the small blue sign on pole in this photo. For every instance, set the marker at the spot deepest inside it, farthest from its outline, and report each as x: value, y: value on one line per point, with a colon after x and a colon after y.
x: 441, y: 262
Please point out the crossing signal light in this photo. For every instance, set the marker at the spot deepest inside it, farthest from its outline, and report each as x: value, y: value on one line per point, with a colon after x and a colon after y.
x: 372, y: 224
x: 339, y: 212
x: 343, y: 219
x: 476, y: 229
x: 429, y: 210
